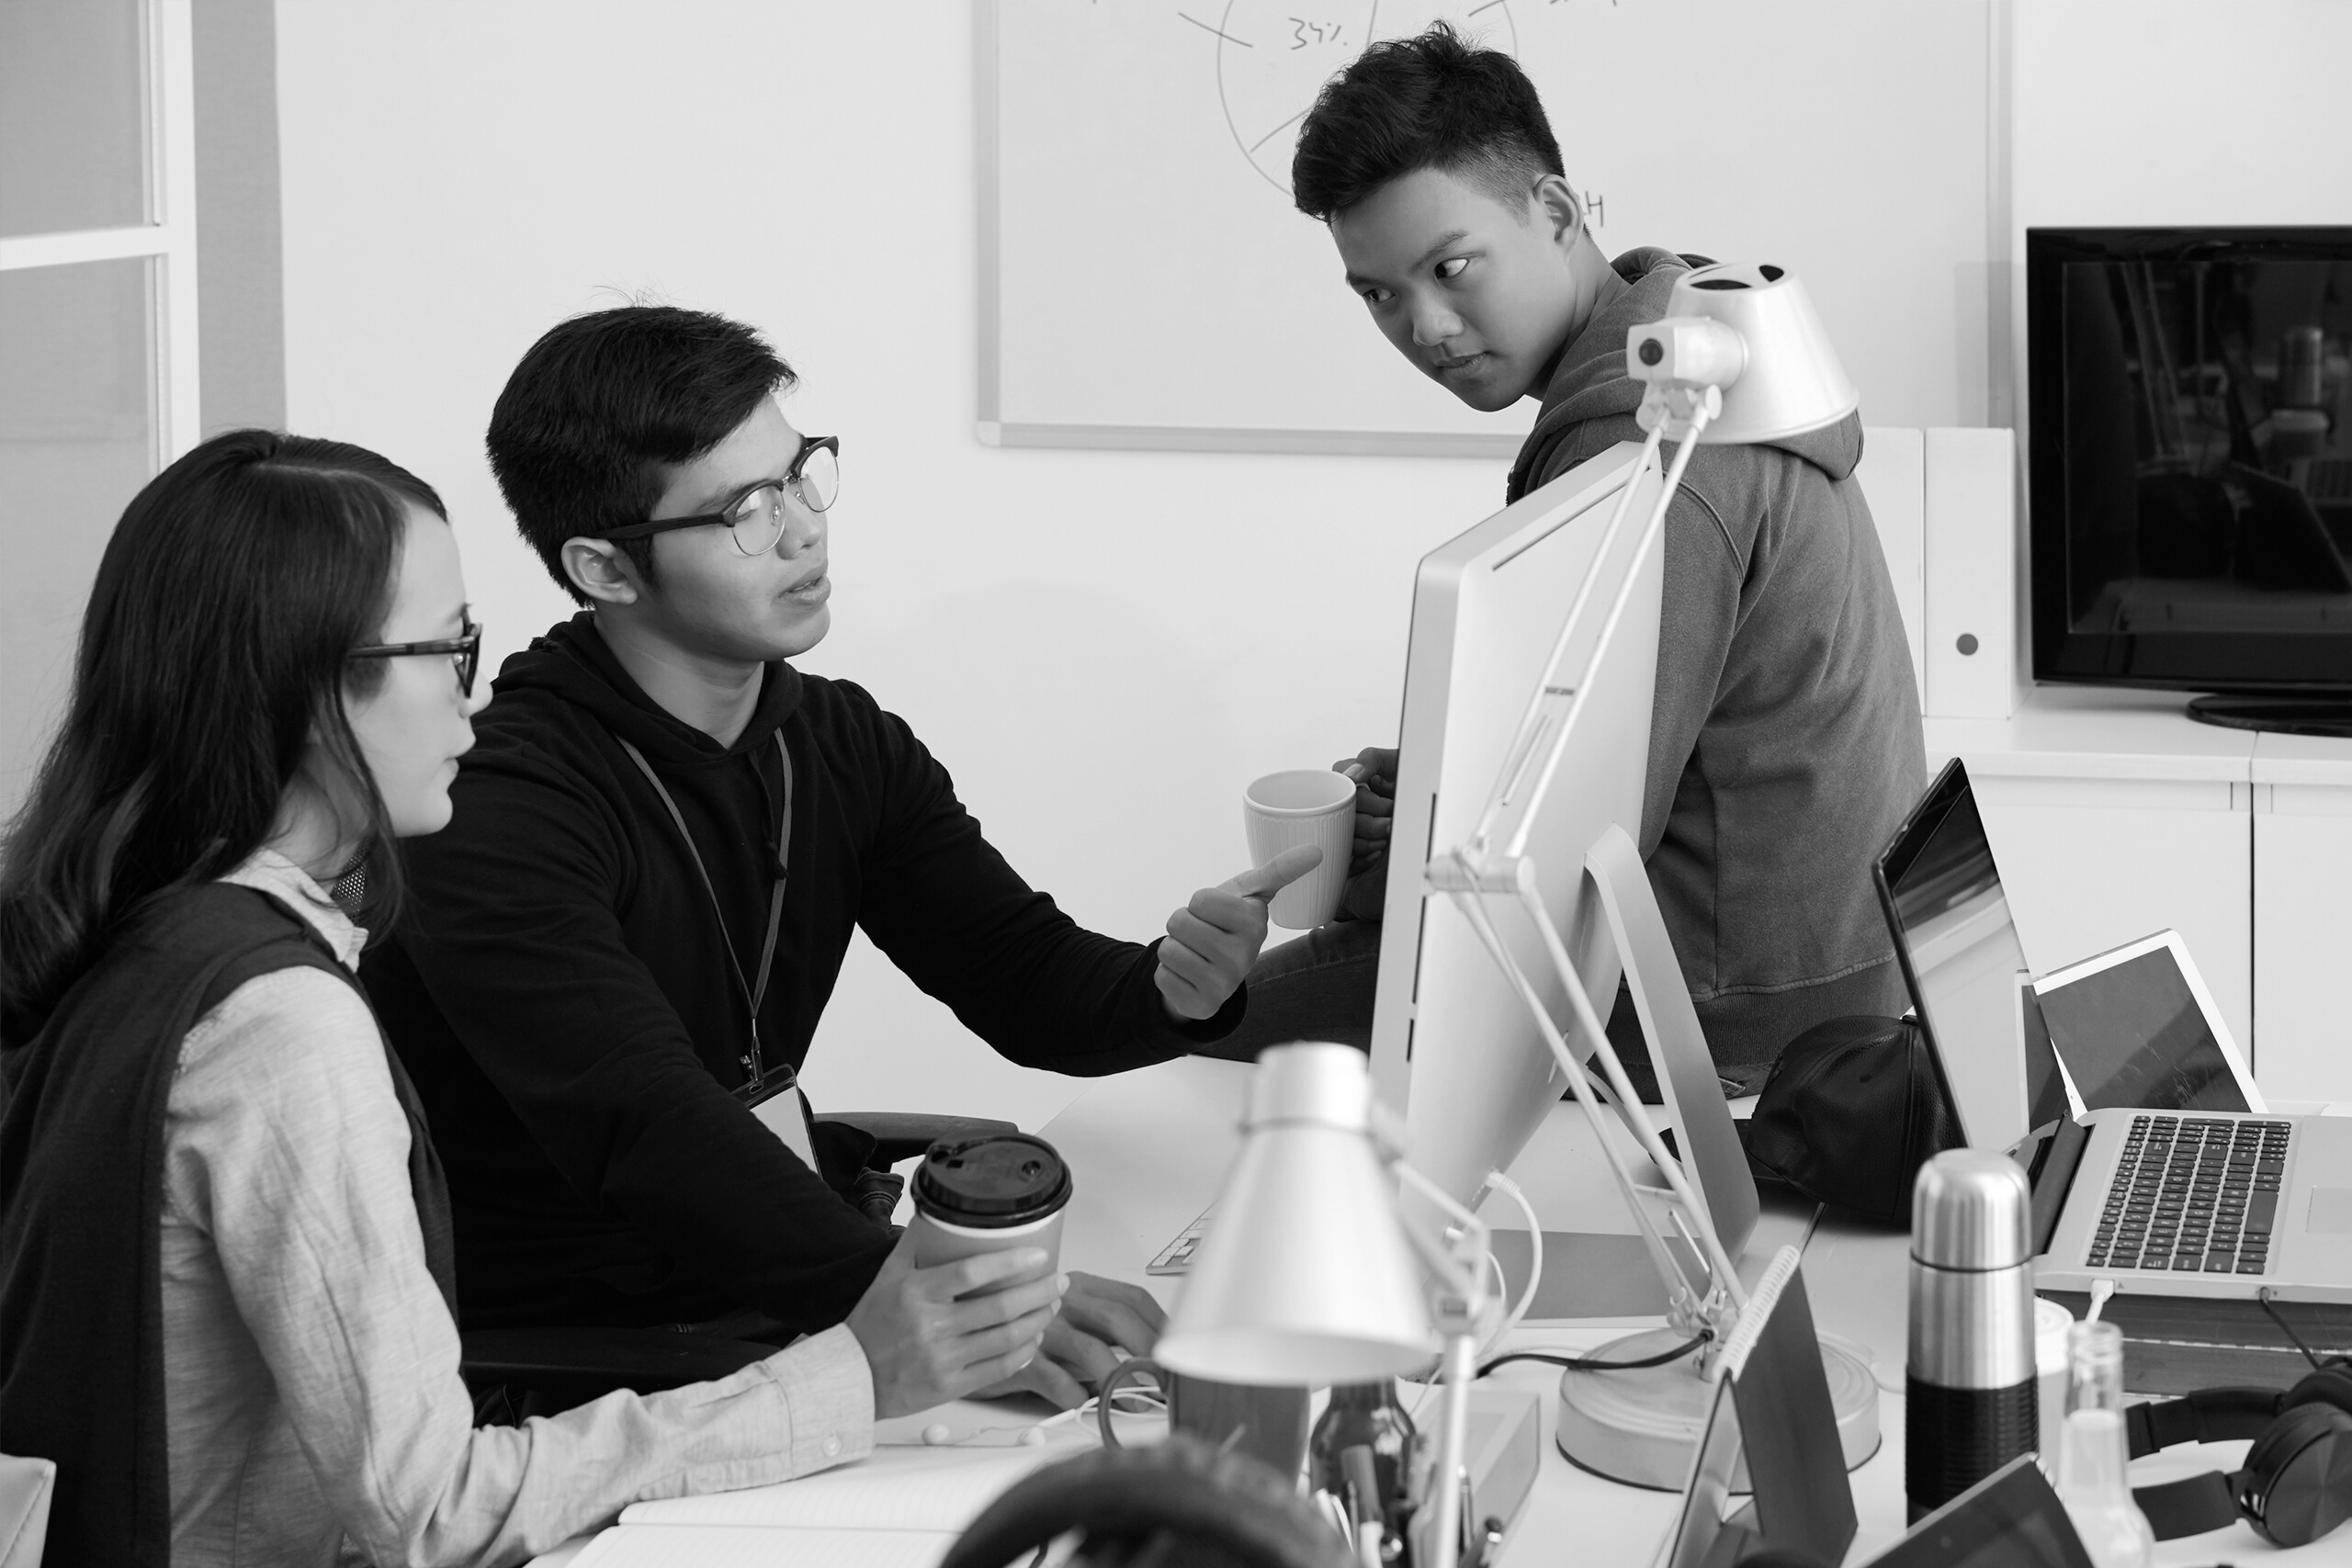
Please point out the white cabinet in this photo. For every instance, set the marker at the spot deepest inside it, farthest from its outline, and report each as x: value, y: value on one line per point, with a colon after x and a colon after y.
x: 2112, y: 815
x: 2302, y: 915
x: 2092, y: 864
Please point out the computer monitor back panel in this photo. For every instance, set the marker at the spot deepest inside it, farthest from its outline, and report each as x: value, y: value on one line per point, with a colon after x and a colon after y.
x: 1452, y: 1046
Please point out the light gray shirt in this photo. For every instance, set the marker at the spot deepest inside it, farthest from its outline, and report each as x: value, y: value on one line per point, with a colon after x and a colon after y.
x: 310, y: 1366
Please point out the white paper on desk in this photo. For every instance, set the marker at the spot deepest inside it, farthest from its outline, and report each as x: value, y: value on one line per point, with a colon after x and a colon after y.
x: 744, y: 1546
x: 942, y: 1488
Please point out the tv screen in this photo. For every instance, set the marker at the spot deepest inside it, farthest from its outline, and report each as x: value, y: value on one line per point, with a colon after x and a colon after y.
x: 2190, y: 468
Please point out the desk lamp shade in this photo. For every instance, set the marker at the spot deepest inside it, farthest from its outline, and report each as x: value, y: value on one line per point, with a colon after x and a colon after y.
x: 1304, y: 1275
x: 1784, y: 377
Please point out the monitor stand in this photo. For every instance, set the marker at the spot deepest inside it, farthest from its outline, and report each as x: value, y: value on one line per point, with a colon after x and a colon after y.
x: 1642, y: 1425
x: 2288, y: 716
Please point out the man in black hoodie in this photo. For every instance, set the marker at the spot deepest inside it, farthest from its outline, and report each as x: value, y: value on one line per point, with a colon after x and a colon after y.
x: 613, y: 960
x: 1785, y: 741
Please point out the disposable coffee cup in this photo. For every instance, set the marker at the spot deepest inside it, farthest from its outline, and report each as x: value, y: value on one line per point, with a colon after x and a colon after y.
x: 1304, y: 805
x: 984, y: 1194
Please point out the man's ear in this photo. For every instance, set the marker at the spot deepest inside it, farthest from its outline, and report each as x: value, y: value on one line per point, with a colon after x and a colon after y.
x: 1558, y: 204
x: 599, y: 569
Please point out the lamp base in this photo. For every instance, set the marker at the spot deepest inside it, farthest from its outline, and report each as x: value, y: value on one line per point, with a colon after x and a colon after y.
x: 1641, y: 1426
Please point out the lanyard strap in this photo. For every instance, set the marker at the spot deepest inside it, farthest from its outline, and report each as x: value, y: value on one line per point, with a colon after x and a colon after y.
x: 754, y: 1063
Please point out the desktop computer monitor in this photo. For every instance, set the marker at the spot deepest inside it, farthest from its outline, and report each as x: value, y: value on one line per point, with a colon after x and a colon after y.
x: 1454, y: 1048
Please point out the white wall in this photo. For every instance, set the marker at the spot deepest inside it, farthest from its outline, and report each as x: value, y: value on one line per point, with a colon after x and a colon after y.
x: 1103, y: 647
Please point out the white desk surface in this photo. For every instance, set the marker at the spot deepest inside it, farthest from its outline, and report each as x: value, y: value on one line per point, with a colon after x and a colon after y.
x: 2301, y: 759
x: 1147, y: 1150
x: 2096, y: 733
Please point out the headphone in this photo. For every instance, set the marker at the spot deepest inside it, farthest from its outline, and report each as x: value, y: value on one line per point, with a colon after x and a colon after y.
x: 2297, y: 1484
x: 1190, y: 1501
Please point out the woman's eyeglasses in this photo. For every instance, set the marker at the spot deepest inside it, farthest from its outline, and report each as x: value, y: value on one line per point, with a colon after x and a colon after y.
x: 754, y: 519
x: 464, y: 650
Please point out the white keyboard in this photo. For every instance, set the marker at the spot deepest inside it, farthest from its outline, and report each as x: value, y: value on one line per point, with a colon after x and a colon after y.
x: 1176, y: 1257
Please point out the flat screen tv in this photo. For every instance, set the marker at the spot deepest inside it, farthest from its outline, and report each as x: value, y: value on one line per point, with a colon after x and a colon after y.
x: 2190, y: 468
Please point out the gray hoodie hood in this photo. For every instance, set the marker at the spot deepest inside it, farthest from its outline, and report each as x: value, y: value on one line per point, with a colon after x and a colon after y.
x: 1590, y: 382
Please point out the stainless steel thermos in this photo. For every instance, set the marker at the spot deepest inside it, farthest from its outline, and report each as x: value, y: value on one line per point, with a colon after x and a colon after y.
x: 1971, y: 1380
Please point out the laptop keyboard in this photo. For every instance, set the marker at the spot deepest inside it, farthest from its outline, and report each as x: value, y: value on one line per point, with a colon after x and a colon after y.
x: 2193, y: 1195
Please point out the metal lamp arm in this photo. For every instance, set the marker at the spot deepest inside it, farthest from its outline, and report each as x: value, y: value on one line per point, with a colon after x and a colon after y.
x: 1463, y: 1271
x: 1462, y: 1268
x: 1630, y: 1107
x: 1681, y: 411
x: 1534, y: 726
x: 1679, y: 1289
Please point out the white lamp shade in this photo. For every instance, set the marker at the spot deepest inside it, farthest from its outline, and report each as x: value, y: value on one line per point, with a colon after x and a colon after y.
x: 1792, y: 381
x: 1304, y: 1275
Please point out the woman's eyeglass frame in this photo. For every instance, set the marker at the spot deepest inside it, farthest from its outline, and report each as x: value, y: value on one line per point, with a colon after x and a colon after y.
x: 810, y: 447
x: 464, y: 650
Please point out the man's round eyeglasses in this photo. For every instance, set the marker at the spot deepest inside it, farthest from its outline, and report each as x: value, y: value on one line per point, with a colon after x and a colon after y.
x: 464, y: 650
x: 754, y: 519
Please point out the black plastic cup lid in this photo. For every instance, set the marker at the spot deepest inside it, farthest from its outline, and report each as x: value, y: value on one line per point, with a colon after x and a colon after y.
x: 989, y: 1182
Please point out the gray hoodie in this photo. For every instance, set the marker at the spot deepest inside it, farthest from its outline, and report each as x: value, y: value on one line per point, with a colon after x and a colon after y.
x: 1785, y: 744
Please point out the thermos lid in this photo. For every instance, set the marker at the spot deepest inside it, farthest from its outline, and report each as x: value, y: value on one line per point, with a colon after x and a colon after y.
x: 997, y: 1179
x: 1971, y: 1209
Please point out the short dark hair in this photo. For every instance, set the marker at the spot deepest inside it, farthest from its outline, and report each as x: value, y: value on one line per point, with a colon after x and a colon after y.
x: 605, y: 401
x: 1430, y: 102
x: 214, y: 652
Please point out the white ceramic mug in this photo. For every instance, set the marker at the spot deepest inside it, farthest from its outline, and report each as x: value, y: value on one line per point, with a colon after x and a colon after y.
x: 1303, y: 806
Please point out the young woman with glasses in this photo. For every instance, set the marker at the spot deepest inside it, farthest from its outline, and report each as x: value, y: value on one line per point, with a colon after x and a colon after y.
x: 224, y: 1247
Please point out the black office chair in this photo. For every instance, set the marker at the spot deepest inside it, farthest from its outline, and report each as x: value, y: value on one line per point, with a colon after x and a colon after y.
x: 521, y: 1372
x: 1178, y: 1503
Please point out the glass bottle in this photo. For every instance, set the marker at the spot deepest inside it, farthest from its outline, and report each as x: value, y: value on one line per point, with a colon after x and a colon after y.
x: 1366, y: 1414
x: 2092, y: 1452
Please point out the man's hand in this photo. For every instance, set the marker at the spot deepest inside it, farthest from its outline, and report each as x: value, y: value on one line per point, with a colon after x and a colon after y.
x: 1375, y: 771
x: 925, y: 1348
x: 1103, y: 1322
x: 1213, y: 940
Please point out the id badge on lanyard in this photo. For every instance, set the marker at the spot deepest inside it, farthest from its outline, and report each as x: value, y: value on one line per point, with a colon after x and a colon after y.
x: 778, y: 1105
x: 774, y: 1095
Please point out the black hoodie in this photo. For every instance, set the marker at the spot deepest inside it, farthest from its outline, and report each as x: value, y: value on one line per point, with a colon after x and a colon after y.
x: 1785, y: 743
x: 557, y: 989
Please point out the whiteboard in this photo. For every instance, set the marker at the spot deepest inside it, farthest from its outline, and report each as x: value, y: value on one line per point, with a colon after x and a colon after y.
x: 1144, y: 281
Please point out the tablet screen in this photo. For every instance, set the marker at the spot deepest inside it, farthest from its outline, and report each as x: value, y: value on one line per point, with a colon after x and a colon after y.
x: 2132, y: 1035
x: 1703, y: 1537
x: 1789, y: 1427
x: 2009, y: 1519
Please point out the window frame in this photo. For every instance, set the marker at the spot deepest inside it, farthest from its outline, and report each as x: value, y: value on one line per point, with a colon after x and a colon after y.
x: 173, y: 385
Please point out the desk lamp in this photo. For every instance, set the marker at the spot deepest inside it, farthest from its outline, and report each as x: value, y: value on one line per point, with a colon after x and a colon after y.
x: 1309, y: 1274
x: 1740, y: 358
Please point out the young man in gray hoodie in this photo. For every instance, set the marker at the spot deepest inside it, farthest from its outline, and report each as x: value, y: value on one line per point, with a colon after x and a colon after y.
x: 1785, y: 744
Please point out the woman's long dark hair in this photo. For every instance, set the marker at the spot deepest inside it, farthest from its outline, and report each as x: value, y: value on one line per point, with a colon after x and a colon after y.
x: 212, y: 653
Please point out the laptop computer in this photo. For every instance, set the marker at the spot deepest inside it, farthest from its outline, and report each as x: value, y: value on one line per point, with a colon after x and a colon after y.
x: 2135, y: 1026
x: 2201, y: 1191
x: 1961, y: 957
x: 2197, y: 1192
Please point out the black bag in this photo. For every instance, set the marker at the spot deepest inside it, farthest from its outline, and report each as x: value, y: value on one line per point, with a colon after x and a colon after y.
x: 1850, y: 1113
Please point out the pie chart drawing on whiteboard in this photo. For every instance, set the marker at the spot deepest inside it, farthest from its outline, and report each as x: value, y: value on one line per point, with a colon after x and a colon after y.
x: 1274, y: 56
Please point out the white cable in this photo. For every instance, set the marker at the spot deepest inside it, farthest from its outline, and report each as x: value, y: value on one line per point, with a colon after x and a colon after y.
x: 1518, y: 1314
x: 1137, y: 1401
